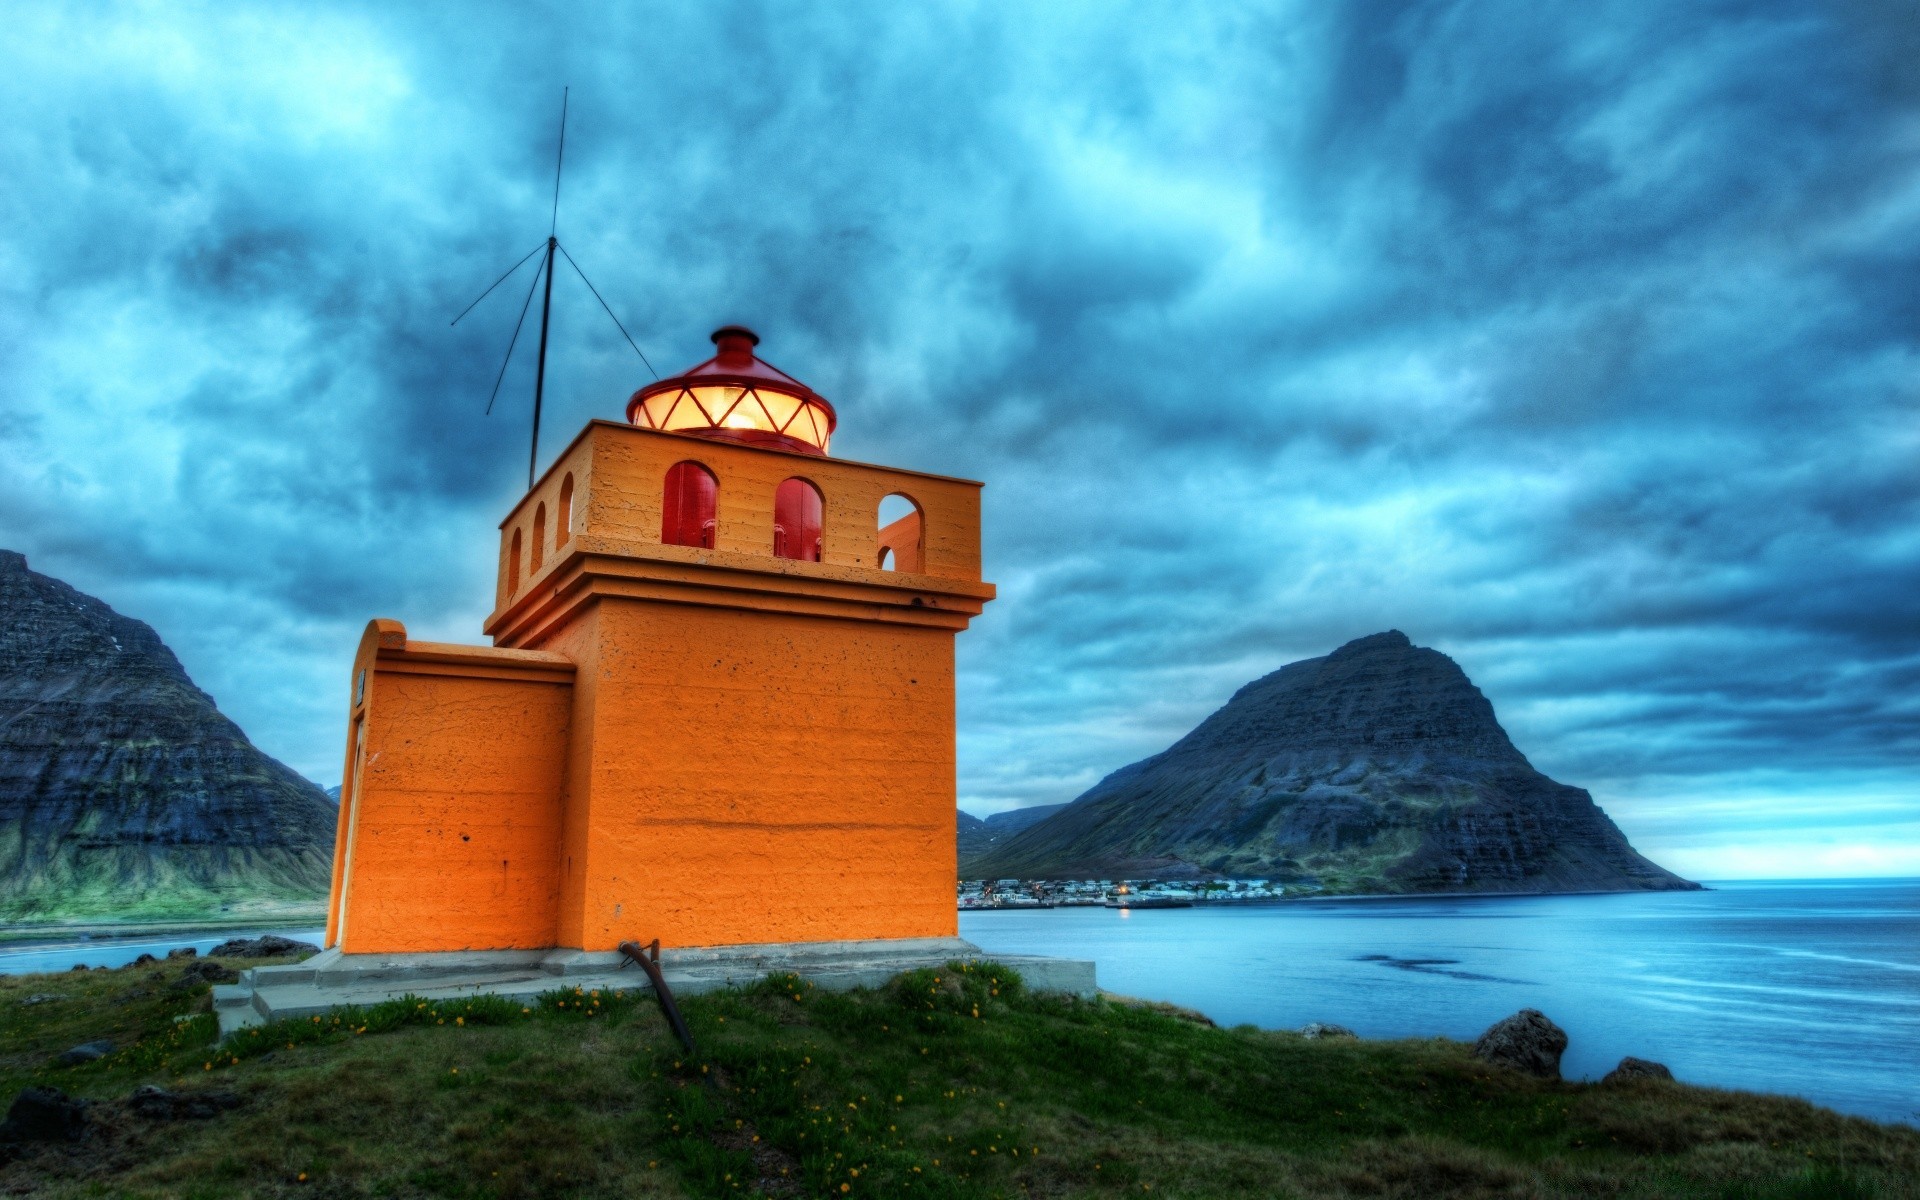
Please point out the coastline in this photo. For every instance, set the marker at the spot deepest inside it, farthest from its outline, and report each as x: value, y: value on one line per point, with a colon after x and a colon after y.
x: 16, y: 934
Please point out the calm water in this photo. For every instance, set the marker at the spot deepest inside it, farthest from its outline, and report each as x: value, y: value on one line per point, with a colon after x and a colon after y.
x: 1806, y: 988
x: 21, y: 958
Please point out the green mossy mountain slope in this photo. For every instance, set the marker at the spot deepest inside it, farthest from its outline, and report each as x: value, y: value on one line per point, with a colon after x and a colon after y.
x: 124, y: 793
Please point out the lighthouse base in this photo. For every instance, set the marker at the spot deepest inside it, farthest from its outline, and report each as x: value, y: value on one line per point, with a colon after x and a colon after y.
x: 332, y: 980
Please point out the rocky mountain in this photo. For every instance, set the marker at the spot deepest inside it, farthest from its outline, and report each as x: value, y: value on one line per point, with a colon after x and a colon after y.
x: 1006, y: 824
x: 972, y: 838
x: 978, y: 835
x: 124, y: 793
x: 1378, y: 768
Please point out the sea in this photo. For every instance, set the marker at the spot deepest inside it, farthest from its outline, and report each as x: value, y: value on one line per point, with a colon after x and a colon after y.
x: 1807, y: 988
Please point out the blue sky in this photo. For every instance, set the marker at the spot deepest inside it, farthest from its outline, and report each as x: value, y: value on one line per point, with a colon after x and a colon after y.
x: 1579, y: 342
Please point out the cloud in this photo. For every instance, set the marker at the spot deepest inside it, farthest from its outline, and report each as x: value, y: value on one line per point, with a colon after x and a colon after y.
x: 1579, y: 344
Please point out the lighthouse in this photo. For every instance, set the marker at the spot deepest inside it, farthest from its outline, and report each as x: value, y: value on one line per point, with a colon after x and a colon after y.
x: 717, y: 708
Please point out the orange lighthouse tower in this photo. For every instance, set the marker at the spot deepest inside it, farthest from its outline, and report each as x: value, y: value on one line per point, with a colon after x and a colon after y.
x: 718, y: 709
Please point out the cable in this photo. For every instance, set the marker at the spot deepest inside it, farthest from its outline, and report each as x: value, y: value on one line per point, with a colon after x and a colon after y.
x: 603, y: 304
x: 496, y: 283
x: 511, y: 342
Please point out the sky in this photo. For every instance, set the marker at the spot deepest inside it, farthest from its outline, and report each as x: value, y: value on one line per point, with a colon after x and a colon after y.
x: 1576, y: 341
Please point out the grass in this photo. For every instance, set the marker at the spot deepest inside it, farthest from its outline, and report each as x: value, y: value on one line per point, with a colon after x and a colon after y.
x: 949, y: 1083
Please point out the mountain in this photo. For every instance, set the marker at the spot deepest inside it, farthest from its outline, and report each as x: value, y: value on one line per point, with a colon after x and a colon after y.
x: 1378, y: 768
x: 1006, y: 824
x: 124, y: 793
x: 971, y: 837
x: 978, y: 836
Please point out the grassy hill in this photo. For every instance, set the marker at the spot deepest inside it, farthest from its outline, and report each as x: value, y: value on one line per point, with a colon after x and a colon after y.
x: 945, y: 1083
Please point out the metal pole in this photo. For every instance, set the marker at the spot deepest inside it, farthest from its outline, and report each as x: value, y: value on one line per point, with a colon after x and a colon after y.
x: 540, y: 375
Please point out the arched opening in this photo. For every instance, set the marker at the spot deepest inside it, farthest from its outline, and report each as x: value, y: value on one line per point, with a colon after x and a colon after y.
x: 796, y: 521
x: 901, y: 535
x: 563, y: 518
x: 692, y: 498
x: 513, y: 564
x: 539, y: 538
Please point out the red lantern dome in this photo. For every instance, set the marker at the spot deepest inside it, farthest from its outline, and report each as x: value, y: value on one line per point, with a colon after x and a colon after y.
x: 736, y: 397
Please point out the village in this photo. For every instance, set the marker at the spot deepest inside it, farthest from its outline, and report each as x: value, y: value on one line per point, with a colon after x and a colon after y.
x: 1121, y: 893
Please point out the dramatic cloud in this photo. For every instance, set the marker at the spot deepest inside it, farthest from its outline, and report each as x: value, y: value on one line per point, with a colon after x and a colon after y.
x: 1581, y: 343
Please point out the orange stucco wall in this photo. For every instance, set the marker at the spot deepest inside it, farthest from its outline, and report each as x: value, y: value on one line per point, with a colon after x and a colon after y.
x: 450, y: 816
x: 709, y: 747
x: 778, y: 778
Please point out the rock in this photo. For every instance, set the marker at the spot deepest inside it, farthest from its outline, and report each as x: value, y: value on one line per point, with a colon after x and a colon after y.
x: 41, y: 998
x: 79, y: 967
x: 269, y: 946
x: 1526, y: 1042
x: 43, y: 1114
x: 144, y: 959
x: 86, y: 1052
x: 158, y: 1104
x: 120, y: 781
x: 1631, y: 1068
x: 1379, y: 767
x: 205, y: 972
x: 1315, y: 1030
x: 183, y: 952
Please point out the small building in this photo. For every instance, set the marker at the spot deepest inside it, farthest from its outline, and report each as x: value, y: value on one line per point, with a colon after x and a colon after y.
x: 718, y: 706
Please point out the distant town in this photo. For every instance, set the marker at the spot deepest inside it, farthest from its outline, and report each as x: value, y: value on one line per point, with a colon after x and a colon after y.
x: 1122, y: 893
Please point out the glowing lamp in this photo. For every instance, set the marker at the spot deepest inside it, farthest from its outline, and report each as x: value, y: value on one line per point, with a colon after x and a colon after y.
x: 736, y: 397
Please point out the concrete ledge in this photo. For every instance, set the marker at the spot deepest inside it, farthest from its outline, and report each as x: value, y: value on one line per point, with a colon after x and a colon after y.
x: 331, y: 980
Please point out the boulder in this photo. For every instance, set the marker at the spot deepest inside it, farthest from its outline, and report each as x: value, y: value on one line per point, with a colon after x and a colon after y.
x: 43, y: 1114
x: 144, y: 959
x: 1313, y: 1031
x: 1631, y: 1068
x: 1525, y: 1042
x: 158, y: 1104
x: 183, y: 952
x: 86, y: 1052
x: 270, y: 946
x: 42, y: 998
x: 79, y: 967
x: 205, y: 971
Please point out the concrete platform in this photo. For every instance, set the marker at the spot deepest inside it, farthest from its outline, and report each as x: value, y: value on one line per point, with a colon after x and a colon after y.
x: 331, y: 979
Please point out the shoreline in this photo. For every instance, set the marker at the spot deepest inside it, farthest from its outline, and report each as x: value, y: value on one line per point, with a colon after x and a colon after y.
x: 104, y: 931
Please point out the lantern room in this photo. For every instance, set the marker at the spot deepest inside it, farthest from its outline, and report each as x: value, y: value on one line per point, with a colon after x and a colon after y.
x: 735, y: 397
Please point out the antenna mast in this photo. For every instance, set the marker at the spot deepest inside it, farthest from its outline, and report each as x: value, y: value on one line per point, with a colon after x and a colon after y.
x: 546, y: 301
x: 547, y: 264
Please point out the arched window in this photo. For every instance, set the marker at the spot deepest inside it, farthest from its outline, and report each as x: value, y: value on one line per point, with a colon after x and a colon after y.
x: 513, y: 564
x: 692, y: 498
x: 563, y: 519
x: 796, y: 521
x: 901, y: 535
x: 539, y: 538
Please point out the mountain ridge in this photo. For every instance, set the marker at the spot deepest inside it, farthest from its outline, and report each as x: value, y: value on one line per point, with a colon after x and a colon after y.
x: 125, y: 794
x: 1377, y: 768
